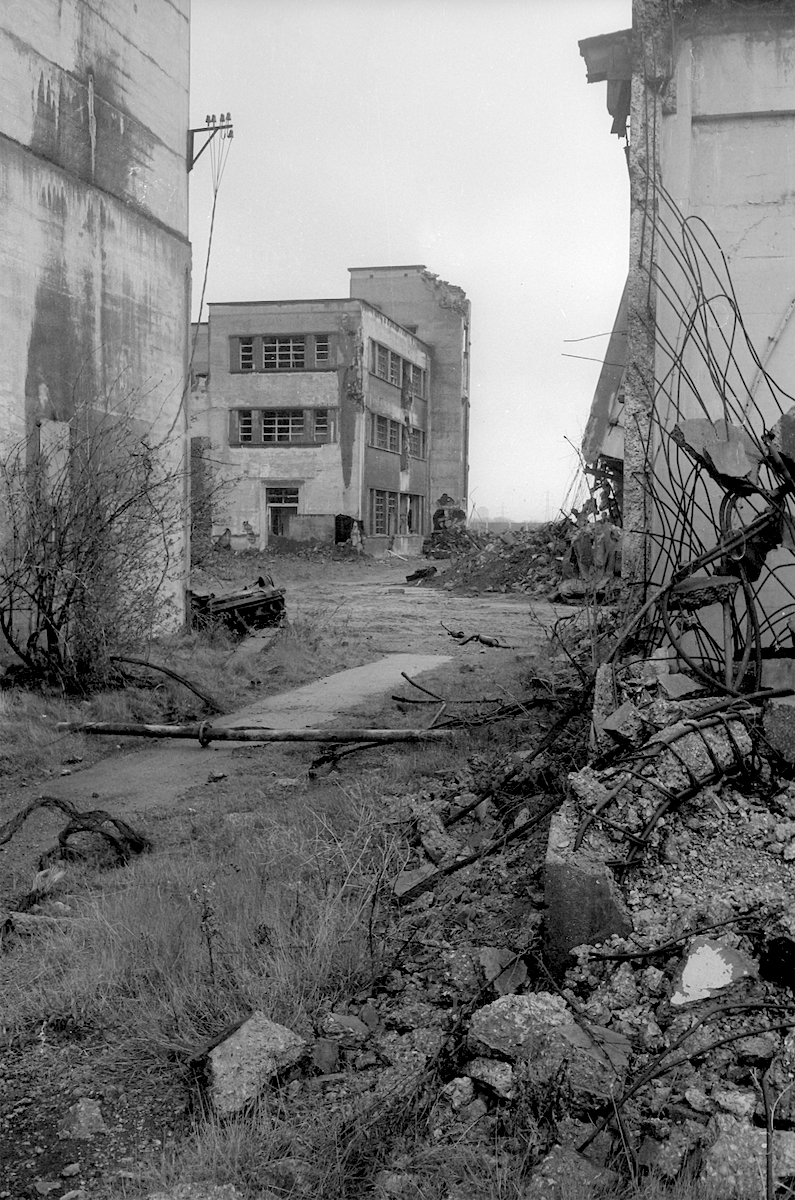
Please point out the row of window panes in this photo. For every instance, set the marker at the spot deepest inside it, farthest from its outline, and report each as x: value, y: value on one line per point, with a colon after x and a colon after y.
x: 386, y: 364
x: 386, y: 434
x: 396, y: 512
x: 269, y: 426
x: 282, y: 353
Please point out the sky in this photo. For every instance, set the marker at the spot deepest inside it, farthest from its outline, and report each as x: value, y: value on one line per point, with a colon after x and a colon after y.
x: 456, y: 133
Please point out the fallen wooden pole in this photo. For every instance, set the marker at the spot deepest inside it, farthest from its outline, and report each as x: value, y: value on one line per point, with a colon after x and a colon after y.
x: 205, y: 733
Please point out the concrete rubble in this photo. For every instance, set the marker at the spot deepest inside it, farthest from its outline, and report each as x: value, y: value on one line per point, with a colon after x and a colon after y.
x: 616, y: 981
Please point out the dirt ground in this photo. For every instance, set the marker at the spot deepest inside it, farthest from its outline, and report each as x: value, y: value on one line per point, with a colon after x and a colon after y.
x: 369, y: 613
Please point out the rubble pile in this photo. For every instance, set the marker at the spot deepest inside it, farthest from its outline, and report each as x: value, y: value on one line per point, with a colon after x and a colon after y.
x: 613, y: 991
x: 566, y: 560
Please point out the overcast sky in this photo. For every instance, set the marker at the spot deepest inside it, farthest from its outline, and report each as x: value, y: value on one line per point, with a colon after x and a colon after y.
x: 456, y: 133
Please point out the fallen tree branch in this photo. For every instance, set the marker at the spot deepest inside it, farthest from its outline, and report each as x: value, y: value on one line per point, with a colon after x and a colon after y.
x: 205, y: 733
x: 212, y: 704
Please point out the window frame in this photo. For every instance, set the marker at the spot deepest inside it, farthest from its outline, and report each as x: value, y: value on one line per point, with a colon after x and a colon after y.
x: 247, y: 426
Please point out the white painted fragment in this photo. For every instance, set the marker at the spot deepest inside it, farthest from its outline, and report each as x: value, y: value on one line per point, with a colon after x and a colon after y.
x: 709, y: 967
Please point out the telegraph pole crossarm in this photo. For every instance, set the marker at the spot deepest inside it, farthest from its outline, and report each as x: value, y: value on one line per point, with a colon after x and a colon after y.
x: 222, y: 125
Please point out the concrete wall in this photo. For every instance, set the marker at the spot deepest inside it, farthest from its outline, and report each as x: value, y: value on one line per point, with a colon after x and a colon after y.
x: 95, y: 259
x: 439, y: 313
x: 726, y: 156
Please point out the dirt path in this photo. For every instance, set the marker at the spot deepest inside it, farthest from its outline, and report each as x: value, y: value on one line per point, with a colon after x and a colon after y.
x: 390, y: 627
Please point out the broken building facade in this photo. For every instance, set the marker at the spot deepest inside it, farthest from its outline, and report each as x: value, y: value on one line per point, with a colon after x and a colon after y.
x: 94, y: 239
x: 313, y: 420
x: 704, y: 92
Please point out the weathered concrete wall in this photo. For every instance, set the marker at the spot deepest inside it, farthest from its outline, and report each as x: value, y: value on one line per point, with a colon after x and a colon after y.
x: 725, y: 152
x: 95, y: 259
x: 439, y: 313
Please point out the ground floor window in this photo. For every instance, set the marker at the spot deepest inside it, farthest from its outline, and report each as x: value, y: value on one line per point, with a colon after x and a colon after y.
x: 396, y: 512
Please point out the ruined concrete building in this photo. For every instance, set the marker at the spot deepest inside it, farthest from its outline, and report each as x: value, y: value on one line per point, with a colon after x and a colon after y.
x: 94, y: 238
x: 317, y: 419
x: 691, y: 412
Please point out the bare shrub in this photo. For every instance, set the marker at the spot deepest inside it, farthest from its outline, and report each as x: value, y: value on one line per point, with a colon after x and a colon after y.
x: 91, y: 512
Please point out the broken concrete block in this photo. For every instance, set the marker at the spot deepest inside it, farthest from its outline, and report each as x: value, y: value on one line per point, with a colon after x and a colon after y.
x: 240, y: 1066
x: 779, y: 726
x: 407, y: 880
x: 624, y: 726
x: 583, y: 902
x: 497, y: 1076
x: 564, y: 1172
x: 503, y: 969
x: 736, y: 1159
x: 709, y: 967
x: 348, y: 1030
x: 675, y: 685
x: 540, y: 1032
x: 82, y: 1120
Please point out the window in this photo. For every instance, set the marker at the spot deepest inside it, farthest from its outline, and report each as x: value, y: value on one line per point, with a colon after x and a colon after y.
x: 281, y: 495
x: 417, y: 443
x: 283, y: 425
x: 282, y: 353
x: 385, y: 434
x: 386, y: 364
x: 321, y: 424
x: 395, y: 512
x: 383, y: 511
x: 244, y: 425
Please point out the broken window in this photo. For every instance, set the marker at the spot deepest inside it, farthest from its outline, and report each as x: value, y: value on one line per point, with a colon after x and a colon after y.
x: 417, y: 443
x: 283, y: 425
x: 247, y: 354
x: 382, y: 362
x: 394, y: 437
x: 245, y: 425
x: 385, y: 434
x: 321, y: 424
x: 395, y: 362
x: 321, y: 348
x: 418, y: 376
x: 283, y: 353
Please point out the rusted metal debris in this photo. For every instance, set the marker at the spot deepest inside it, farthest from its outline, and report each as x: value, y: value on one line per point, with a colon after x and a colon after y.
x: 124, y: 840
x: 255, y: 606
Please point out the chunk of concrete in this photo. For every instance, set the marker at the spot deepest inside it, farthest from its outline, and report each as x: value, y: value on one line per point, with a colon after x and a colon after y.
x: 82, y: 1120
x: 239, y: 1067
x: 564, y: 1172
x: 583, y: 902
x: 709, y: 967
x: 496, y: 1076
x: 779, y: 726
x: 540, y: 1032
x: 736, y: 1159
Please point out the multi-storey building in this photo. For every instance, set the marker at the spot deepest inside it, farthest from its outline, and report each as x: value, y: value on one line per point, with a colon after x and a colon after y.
x: 318, y: 419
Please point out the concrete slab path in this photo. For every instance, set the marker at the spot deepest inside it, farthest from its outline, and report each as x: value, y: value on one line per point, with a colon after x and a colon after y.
x: 161, y: 771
